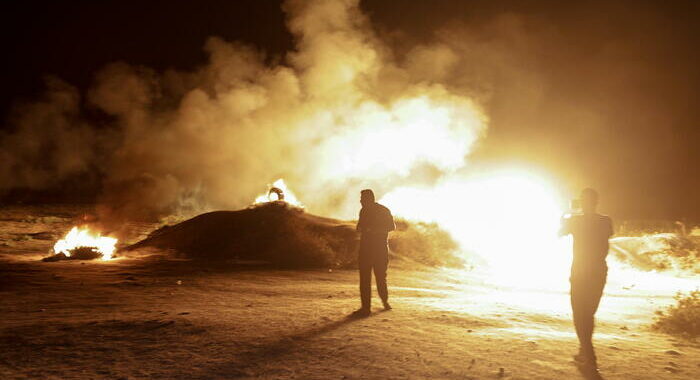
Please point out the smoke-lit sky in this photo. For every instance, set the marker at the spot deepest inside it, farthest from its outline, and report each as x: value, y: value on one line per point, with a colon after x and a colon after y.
x: 600, y: 94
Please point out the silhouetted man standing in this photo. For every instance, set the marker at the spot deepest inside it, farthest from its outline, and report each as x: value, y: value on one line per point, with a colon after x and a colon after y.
x: 589, y: 270
x: 374, y: 224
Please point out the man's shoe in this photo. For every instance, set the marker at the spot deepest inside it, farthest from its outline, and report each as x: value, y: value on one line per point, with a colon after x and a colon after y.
x: 387, y: 306
x: 361, y: 313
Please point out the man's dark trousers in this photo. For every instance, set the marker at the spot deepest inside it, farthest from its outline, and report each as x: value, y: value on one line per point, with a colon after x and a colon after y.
x: 586, y: 290
x: 375, y: 260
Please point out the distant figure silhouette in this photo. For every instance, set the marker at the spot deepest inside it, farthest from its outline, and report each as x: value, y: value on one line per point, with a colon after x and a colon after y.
x: 589, y: 270
x: 374, y: 224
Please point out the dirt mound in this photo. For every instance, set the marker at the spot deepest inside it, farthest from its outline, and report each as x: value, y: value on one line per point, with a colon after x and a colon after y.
x: 274, y: 232
x: 286, y: 236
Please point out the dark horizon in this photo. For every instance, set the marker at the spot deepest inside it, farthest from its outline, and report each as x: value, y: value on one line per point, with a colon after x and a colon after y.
x: 598, y: 94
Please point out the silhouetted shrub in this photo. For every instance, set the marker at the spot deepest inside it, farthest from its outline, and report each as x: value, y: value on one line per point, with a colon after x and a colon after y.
x: 425, y: 243
x: 683, y: 318
x: 659, y: 252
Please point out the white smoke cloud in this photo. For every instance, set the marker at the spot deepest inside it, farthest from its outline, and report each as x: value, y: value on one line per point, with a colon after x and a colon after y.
x: 340, y: 114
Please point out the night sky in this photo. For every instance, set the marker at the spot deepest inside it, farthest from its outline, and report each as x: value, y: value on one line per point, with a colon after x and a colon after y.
x: 600, y: 94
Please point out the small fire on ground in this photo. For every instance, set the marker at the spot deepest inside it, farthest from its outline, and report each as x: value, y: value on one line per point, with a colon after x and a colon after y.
x: 81, y: 241
x: 278, y: 191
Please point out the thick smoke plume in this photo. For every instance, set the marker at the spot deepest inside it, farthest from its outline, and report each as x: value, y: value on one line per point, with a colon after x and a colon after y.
x: 339, y: 114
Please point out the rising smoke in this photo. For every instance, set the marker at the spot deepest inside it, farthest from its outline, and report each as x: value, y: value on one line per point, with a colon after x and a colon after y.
x: 339, y: 114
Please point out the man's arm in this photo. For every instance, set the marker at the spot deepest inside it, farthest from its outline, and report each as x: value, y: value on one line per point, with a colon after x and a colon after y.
x: 360, y: 222
x: 391, y: 226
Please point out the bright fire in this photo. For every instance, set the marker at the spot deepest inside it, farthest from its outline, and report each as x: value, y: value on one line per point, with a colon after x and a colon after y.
x: 83, y: 237
x: 270, y: 195
x: 508, y: 218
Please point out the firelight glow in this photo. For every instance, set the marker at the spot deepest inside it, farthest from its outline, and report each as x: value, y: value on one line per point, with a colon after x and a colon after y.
x: 506, y: 222
x: 83, y: 237
x: 432, y: 127
x: 509, y: 218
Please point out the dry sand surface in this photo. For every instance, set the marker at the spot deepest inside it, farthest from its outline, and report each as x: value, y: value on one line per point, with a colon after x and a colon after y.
x: 155, y: 317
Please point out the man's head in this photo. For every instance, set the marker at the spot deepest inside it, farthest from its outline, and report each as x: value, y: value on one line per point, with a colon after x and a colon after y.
x: 366, y: 197
x: 589, y: 200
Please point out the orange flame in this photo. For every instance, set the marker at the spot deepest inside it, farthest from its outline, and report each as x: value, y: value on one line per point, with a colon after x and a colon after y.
x: 83, y: 237
x: 271, y: 196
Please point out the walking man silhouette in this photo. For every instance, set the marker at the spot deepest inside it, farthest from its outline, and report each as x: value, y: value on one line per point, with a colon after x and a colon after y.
x: 589, y: 270
x: 374, y: 224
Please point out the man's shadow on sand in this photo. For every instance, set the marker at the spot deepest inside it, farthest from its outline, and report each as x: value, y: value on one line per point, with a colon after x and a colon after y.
x: 247, y: 361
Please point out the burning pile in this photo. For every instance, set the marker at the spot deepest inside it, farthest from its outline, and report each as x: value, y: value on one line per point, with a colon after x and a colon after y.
x: 278, y: 191
x: 83, y: 244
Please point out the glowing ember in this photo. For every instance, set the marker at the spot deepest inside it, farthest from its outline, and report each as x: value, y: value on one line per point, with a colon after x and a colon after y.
x: 273, y: 194
x: 82, y: 237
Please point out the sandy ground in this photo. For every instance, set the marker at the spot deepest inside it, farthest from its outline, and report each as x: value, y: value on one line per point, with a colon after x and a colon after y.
x: 154, y: 317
